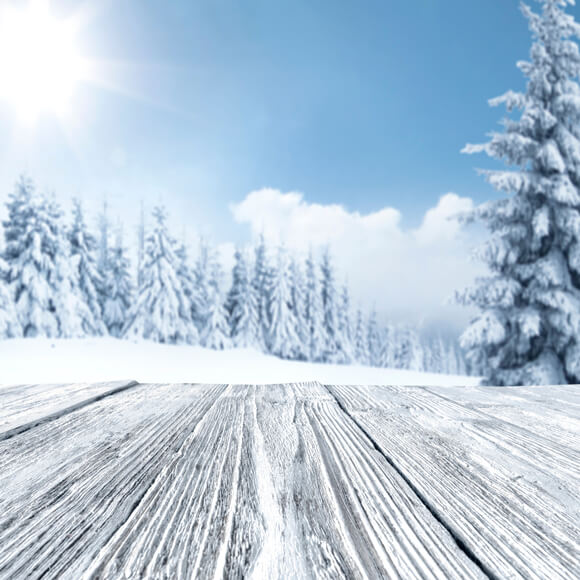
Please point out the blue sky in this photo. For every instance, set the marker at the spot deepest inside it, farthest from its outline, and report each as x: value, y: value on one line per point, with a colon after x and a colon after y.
x: 363, y: 104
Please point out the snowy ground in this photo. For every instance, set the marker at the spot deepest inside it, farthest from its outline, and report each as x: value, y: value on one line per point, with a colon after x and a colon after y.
x: 308, y: 480
x: 109, y: 359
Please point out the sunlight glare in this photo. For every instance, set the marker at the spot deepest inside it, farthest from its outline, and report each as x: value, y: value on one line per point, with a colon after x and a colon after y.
x: 40, y: 65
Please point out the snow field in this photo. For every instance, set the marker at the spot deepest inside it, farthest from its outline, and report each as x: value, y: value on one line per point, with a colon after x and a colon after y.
x: 109, y: 359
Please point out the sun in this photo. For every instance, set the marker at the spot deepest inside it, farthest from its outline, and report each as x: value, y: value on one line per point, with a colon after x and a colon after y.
x: 40, y: 64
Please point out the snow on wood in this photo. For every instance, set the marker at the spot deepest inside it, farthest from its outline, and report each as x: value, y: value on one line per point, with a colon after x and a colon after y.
x: 25, y: 406
x: 289, y: 481
x: 509, y: 494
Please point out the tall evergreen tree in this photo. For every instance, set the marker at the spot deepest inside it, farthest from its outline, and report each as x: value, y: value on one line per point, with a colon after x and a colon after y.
x: 407, y: 350
x: 30, y: 250
x: 283, y: 340
x: 201, y: 292
x: 118, y: 290
x: 344, y: 332
x: 186, y: 277
x: 140, y: 244
x: 437, y: 361
x: 83, y: 249
x: 361, y: 353
x: 529, y: 322
x: 241, y: 304
x: 162, y: 310
x: 9, y: 324
x: 297, y: 306
x: 387, y: 338
x: 373, y: 340
x: 333, y: 348
x: 417, y: 356
x: 260, y: 288
x: 44, y: 285
x: 260, y: 284
x: 313, y: 312
x: 216, y: 331
x: 240, y: 279
x: 104, y: 233
x: 72, y: 312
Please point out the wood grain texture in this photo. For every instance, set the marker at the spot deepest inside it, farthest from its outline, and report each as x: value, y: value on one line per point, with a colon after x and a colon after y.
x: 286, y: 481
x: 508, y: 493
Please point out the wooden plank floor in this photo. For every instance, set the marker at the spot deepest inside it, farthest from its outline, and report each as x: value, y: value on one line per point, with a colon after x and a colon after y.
x: 124, y: 480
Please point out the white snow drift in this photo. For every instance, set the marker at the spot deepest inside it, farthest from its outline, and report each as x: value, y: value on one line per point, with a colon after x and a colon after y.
x: 105, y: 359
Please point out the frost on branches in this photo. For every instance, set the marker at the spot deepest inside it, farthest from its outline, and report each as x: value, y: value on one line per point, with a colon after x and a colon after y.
x: 529, y: 322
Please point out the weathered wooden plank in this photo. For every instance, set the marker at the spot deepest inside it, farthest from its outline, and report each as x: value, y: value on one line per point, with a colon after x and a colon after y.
x: 257, y: 490
x: 511, y: 495
x: 553, y: 412
x: 393, y: 533
x: 284, y: 481
x: 66, y: 486
x: 23, y: 407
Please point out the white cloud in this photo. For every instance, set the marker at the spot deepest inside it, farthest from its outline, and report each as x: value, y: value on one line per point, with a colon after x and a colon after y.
x: 409, y: 274
x: 438, y: 223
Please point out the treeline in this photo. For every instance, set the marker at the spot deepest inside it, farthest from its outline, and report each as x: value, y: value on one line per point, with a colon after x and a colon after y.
x: 59, y: 279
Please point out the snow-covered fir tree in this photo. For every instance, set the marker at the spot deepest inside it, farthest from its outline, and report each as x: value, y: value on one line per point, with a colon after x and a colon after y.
x: 186, y: 277
x: 200, y: 298
x: 417, y: 356
x: 240, y: 278
x: 407, y: 349
x: 297, y: 306
x: 387, y: 339
x: 9, y: 324
x: 104, y: 232
x: 74, y: 316
x: 259, y: 284
x: 83, y: 248
x: 162, y: 311
x: 528, y: 328
x: 31, y: 245
x: 118, y: 289
x: 333, y: 347
x: 344, y: 331
x: 435, y: 355
x: 241, y: 304
x: 361, y: 354
x: 283, y: 340
x: 373, y: 340
x: 41, y: 271
x: 140, y: 243
x: 216, y: 330
x: 313, y: 311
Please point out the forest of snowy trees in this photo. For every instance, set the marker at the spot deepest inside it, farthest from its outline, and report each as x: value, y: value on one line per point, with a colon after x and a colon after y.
x: 59, y: 279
